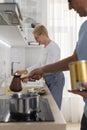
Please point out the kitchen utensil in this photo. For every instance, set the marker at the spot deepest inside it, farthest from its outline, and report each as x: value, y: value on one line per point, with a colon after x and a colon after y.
x: 78, y: 74
x: 16, y: 83
x: 24, y: 104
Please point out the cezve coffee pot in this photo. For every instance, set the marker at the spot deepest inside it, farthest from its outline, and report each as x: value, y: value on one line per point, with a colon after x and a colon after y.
x: 16, y: 83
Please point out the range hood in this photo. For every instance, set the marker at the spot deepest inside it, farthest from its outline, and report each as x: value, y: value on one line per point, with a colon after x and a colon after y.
x: 10, y: 14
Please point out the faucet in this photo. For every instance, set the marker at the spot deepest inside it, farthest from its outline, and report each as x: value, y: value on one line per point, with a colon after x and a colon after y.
x: 12, y: 66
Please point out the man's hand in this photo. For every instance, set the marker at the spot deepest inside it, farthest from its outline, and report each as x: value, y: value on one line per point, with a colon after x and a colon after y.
x: 78, y: 92
x: 25, y: 80
x: 82, y: 93
x: 84, y: 85
x: 36, y: 74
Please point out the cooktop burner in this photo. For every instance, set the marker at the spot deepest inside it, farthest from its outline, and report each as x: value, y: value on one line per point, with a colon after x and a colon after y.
x: 43, y: 115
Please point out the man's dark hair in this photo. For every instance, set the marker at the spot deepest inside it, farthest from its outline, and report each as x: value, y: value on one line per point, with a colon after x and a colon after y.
x: 69, y: 1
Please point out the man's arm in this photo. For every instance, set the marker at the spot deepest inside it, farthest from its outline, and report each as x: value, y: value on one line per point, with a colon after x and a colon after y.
x: 55, y: 67
x: 78, y: 92
x: 62, y: 65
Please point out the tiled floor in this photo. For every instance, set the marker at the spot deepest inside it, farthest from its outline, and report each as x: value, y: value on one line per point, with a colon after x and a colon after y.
x: 73, y: 126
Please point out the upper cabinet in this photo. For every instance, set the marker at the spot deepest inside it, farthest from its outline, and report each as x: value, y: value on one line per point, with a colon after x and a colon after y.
x: 19, y: 21
x: 11, y: 31
x: 10, y: 14
x: 13, y: 35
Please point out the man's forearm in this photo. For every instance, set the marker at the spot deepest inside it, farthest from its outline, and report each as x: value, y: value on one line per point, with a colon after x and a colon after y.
x: 62, y: 65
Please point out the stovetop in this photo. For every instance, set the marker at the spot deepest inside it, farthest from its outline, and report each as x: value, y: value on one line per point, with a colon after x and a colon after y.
x: 43, y: 115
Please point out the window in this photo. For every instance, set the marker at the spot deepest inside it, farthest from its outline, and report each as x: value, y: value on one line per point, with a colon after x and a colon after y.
x: 63, y: 26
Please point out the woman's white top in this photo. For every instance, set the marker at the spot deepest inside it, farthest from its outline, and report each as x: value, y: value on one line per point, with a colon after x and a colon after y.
x: 50, y: 54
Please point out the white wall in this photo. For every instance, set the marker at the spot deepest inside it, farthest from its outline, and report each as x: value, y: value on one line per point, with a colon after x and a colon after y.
x: 26, y: 56
x: 18, y: 57
x: 32, y: 55
x: 4, y: 61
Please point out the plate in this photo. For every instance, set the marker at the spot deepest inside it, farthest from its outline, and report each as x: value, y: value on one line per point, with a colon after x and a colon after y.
x: 42, y: 91
x: 39, y: 90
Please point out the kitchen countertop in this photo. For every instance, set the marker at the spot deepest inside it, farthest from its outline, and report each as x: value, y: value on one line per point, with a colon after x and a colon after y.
x: 58, y: 123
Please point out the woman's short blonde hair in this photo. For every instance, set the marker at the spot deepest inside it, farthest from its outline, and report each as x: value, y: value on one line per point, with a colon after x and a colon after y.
x: 39, y: 29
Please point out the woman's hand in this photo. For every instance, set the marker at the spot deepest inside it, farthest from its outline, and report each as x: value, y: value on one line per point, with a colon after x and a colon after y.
x: 21, y: 72
x: 24, y: 75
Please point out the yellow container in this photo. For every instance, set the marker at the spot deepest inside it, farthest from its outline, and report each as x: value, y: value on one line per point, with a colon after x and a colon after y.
x: 78, y: 74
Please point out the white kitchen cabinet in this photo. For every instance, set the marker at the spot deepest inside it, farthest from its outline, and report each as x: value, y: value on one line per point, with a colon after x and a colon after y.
x: 12, y: 35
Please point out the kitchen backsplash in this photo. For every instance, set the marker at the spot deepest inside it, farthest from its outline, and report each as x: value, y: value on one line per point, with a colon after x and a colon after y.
x: 25, y: 57
x: 20, y: 56
x: 17, y: 58
x: 5, y: 68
